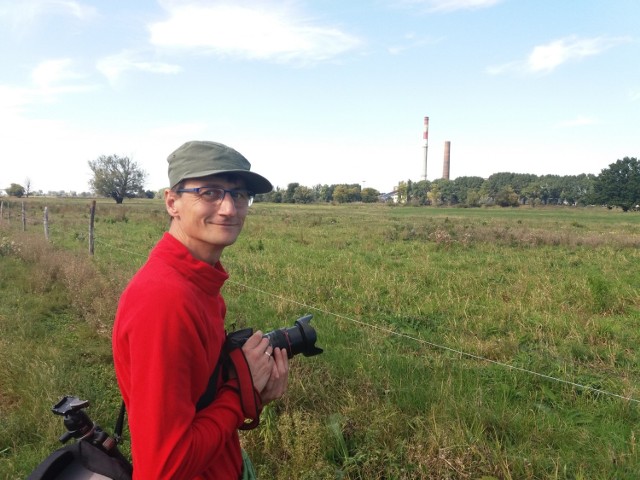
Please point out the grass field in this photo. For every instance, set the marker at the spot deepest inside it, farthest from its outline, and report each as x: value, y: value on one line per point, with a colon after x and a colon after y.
x: 459, y: 343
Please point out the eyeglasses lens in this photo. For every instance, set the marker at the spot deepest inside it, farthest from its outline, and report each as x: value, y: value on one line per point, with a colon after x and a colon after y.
x: 241, y: 198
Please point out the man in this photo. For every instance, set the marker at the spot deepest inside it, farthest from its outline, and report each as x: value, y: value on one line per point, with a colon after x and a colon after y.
x: 169, y: 329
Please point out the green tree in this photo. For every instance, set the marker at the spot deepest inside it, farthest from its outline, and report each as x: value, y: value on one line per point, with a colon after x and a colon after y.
x: 15, y: 190
x: 551, y: 187
x: 116, y: 177
x: 446, y: 191
x: 435, y: 195
x: 619, y: 185
x: 369, y: 195
x: 506, y: 197
x: 323, y: 193
x: 532, y: 193
x: 274, y: 196
x: 583, y: 187
x: 473, y: 198
x: 355, y: 192
x: 341, y: 194
x: 462, y: 186
x: 402, y: 190
x: 287, y: 196
x: 498, y: 183
x: 302, y: 194
x: 347, y: 193
x: 419, y: 192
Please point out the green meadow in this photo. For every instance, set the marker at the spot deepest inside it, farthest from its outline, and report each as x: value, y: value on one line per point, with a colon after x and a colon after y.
x: 458, y: 343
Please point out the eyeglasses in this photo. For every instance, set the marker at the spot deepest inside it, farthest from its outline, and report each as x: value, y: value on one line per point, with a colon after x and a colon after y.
x: 241, y: 198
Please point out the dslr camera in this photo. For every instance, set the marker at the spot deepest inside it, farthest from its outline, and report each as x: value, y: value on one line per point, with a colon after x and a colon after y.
x: 301, y: 338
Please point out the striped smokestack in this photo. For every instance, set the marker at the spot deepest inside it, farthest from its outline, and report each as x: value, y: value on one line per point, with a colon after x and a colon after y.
x: 447, y: 160
x: 425, y: 136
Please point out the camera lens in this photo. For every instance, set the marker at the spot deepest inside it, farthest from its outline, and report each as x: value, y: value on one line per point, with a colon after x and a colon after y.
x: 300, y: 338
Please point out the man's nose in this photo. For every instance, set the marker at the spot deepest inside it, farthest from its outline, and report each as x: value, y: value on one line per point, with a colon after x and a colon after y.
x: 227, y: 204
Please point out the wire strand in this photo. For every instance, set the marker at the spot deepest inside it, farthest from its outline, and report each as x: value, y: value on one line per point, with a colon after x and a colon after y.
x: 419, y: 340
x: 442, y: 347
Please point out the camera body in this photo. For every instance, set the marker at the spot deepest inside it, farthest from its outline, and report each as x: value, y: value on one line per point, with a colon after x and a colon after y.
x: 300, y: 338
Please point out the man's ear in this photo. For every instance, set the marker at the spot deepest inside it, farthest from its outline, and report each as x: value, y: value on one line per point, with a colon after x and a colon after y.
x: 170, y: 202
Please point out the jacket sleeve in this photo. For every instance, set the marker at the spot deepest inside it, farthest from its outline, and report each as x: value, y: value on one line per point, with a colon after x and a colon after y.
x: 154, y: 351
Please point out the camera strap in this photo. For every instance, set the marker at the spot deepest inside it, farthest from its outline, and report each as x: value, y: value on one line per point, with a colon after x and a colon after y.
x: 249, y: 396
x: 232, y: 358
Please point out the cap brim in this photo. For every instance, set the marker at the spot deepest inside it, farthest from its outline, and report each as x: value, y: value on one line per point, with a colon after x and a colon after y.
x: 254, y: 182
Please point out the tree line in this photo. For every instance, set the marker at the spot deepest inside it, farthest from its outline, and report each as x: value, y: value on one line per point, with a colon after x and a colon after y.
x: 616, y: 186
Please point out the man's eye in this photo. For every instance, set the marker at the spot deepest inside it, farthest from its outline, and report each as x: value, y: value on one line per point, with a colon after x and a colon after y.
x: 209, y: 193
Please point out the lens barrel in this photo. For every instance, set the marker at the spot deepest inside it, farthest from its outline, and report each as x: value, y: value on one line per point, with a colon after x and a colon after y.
x: 300, y: 338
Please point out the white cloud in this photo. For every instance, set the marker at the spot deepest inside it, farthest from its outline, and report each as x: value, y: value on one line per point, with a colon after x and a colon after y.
x: 24, y: 13
x: 504, y: 68
x: 451, y: 5
x: 114, y: 65
x: 75, y: 9
x: 50, y: 73
x: 546, y: 58
x: 13, y: 99
x: 55, y: 77
x: 49, y: 80
x: 265, y: 31
x: 409, y: 42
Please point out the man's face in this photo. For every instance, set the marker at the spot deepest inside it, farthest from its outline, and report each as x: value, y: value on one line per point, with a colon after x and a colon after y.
x: 206, y: 228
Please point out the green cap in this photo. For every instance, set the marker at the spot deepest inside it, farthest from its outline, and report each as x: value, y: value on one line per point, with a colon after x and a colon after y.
x: 200, y: 159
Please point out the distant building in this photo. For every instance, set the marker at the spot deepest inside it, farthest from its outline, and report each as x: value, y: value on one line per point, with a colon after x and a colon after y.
x: 385, y: 197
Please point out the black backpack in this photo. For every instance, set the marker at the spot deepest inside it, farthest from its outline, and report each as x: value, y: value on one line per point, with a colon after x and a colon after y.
x: 83, y: 461
x: 96, y: 456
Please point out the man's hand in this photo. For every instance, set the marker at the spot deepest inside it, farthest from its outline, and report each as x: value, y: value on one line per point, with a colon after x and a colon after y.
x: 277, y: 384
x: 269, y: 367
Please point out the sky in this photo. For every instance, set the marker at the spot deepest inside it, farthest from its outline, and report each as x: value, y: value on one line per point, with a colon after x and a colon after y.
x: 319, y: 92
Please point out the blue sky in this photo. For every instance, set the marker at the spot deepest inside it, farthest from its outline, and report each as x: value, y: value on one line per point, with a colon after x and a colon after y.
x: 319, y: 92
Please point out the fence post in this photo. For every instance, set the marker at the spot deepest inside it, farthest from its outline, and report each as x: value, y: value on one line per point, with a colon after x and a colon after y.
x: 46, y: 223
x: 91, y: 222
x: 24, y: 218
x: 1, y: 210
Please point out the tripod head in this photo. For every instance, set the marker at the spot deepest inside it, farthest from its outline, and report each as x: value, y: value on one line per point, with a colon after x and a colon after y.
x: 79, y: 425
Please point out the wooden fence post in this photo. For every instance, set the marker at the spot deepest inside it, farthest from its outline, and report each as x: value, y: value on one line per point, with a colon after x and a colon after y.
x: 46, y: 223
x: 24, y: 218
x: 91, y: 223
x: 1, y: 210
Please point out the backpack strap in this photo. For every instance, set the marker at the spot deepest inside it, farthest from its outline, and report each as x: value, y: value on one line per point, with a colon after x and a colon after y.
x: 210, y: 393
x: 117, y: 431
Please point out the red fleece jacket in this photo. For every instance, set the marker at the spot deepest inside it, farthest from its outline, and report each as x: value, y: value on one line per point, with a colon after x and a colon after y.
x: 167, y: 337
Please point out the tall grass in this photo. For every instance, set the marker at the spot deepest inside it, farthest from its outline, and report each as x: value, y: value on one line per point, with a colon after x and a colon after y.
x: 422, y: 313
